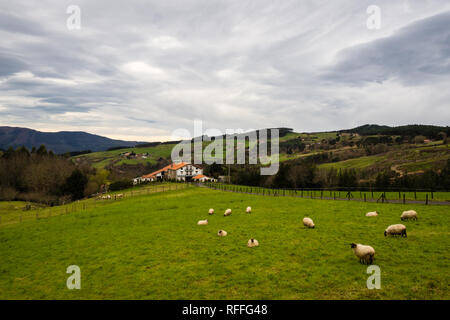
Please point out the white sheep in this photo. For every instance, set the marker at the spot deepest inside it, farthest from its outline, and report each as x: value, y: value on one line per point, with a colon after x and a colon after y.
x: 372, y: 214
x: 222, y: 233
x: 248, y: 210
x: 252, y: 243
x: 307, y: 222
x: 227, y: 212
x: 211, y: 211
x: 410, y: 214
x: 363, y: 252
x: 202, y: 222
x: 395, y: 230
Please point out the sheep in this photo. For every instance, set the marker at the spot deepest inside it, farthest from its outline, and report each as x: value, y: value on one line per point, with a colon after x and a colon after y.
x: 227, y: 212
x: 202, y: 222
x: 410, y: 214
x: 211, y: 211
x: 118, y: 196
x: 222, y: 233
x: 363, y: 252
x: 249, y: 210
x: 252, y: 243
x: 307, y: 222
x: 372, y: 214
x: 395, y: 229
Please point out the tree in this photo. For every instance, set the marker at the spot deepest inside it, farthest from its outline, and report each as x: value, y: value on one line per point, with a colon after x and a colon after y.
x: 75, y: 185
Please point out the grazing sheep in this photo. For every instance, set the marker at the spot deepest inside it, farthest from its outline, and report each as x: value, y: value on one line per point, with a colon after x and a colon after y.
x: 410, y: 214
x: 396, y: 230
x: 222, y: 233
x: 211, y: 211
x: 252, y: 243
x: 364, y: 253
x: 372, y: 214
x: 307, y: 222
x: 119, y: 196
x: 227, y: 212
x: 249, y: 210
x: 202, y: 222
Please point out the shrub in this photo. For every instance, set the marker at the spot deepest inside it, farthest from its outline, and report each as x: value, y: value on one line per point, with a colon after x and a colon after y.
x: 121, y: 184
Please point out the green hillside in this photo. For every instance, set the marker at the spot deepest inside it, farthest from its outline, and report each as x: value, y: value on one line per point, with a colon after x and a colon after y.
x: 150, y: 247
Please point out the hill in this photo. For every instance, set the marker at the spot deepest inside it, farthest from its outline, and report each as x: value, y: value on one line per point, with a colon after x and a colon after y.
x: 362, y: 148
x: 427, y: 131
x: 58, y: 142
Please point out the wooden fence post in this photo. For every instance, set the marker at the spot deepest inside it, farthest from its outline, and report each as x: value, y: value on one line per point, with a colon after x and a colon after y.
x: 364, y: 197
x: 426, y: 199
x: 404, y: 199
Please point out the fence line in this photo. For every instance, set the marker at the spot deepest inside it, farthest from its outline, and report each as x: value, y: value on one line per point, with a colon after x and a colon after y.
x: 377, y: 196
x: 78, y: 206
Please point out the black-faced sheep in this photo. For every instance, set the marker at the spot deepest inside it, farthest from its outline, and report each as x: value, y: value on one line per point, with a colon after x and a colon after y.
x: 211, y: 211
x: 222, y: 233
x: 409, y: 215
x: 363, y: 252
x: 307, y: 222
x: 227, y: 212
x: 252, y: 243
x: 395, y: 230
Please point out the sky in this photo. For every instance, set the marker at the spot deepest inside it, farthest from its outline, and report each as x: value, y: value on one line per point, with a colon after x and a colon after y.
x: 138, y: 70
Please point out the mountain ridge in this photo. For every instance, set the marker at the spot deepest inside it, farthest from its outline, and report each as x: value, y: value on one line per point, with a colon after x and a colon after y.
x: 58, y: 142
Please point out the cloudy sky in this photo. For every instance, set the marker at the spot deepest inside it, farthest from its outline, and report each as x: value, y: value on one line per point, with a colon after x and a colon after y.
x: 141, y: 69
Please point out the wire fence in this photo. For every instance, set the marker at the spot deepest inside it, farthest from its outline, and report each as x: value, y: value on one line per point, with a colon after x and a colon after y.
x: 24, y: 214
x: 420, y: 196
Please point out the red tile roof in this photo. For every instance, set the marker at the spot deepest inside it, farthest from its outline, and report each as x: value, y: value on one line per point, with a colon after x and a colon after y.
x: 173, y: 166
x: 199, y: 176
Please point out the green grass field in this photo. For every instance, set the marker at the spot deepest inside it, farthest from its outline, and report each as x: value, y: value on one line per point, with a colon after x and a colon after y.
x: 150, y: 247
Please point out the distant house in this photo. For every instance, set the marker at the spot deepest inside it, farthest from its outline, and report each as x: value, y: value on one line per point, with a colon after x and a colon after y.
x: 224, y: 179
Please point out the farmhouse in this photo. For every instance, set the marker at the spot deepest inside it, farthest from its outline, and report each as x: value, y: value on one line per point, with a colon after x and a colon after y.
x: 182, y: 171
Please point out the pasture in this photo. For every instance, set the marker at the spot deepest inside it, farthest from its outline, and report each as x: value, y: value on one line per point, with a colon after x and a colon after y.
x: 149, y: 246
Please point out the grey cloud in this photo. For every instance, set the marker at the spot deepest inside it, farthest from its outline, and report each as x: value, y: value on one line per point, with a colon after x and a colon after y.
x: 415, y: 54
x: 234, y: 64
x: 10, y: 65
